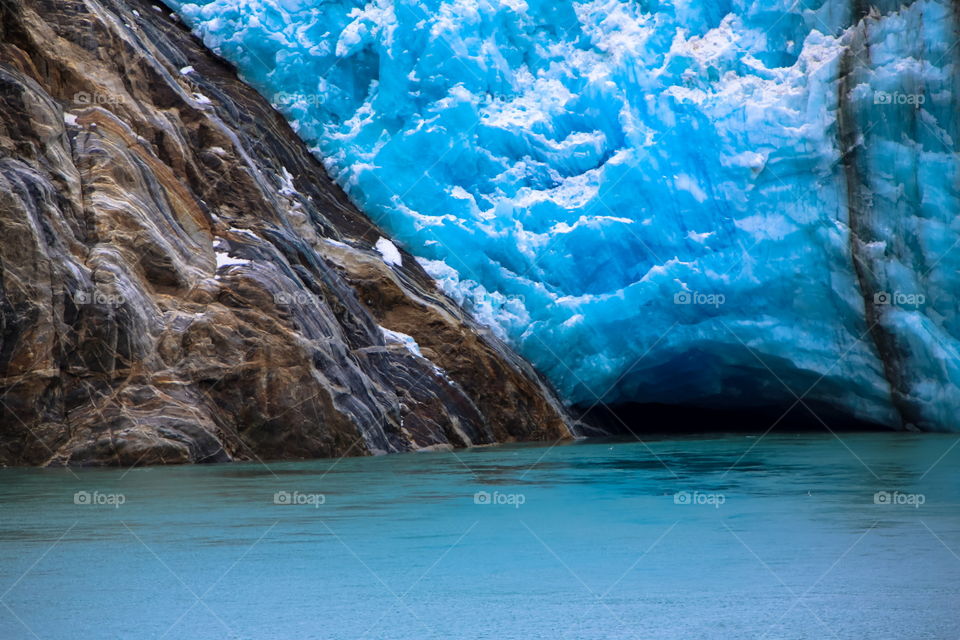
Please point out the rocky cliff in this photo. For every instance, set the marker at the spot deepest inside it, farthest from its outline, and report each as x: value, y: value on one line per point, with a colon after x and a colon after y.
x: 180, y: 281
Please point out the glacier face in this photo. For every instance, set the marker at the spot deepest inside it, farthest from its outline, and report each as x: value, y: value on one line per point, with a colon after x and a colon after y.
x: 723, y: 204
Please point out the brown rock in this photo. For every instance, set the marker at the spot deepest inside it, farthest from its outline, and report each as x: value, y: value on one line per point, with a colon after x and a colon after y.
x: 165, y: 297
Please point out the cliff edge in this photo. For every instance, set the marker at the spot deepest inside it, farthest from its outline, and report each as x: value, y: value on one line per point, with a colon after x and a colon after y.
x: 180, y: 281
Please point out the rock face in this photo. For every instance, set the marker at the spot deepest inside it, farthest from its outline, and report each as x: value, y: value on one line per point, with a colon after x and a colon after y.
x: 180, y: 281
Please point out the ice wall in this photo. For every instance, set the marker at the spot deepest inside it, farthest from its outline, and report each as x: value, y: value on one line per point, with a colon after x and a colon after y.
x: 722, y: 203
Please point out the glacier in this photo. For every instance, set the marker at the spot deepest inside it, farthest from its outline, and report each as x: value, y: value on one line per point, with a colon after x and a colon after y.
x: 724, y: 204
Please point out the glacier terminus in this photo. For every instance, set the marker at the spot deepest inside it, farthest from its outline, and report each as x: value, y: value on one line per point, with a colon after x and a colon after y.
x: 726, y: 204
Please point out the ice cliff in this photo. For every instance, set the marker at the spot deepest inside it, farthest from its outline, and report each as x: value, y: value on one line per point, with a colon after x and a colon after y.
x: 718, y: 204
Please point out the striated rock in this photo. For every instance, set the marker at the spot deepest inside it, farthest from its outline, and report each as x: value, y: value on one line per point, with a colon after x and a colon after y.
x: 181, y: 282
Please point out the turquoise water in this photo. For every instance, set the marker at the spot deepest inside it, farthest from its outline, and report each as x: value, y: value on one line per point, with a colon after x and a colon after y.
x: 582, y: 541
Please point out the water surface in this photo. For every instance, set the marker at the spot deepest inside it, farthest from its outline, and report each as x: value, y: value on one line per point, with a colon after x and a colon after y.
x: 731, y: 536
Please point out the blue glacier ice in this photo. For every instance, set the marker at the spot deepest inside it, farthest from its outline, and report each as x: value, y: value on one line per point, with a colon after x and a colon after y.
x: 724, y: 203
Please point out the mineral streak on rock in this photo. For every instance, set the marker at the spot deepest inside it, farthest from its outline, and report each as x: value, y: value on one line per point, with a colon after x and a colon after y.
x: 180, y: 281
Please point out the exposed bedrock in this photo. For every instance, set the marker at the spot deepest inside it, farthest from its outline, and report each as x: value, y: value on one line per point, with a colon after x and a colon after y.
x: 180, y: 281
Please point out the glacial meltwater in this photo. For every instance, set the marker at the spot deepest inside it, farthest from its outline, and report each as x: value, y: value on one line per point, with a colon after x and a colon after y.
x: 729, y: 536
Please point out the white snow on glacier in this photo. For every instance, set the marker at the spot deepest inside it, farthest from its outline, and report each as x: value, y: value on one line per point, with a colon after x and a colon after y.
x: 730, y: 203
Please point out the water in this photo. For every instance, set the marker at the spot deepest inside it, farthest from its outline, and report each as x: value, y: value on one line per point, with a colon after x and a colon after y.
x: 580, y: 541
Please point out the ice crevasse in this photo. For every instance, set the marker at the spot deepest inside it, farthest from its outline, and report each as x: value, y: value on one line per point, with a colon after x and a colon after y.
x: 724, y: 204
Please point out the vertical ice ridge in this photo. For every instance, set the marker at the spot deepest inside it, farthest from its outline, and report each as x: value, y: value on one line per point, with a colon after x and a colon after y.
x: 850, y: 136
